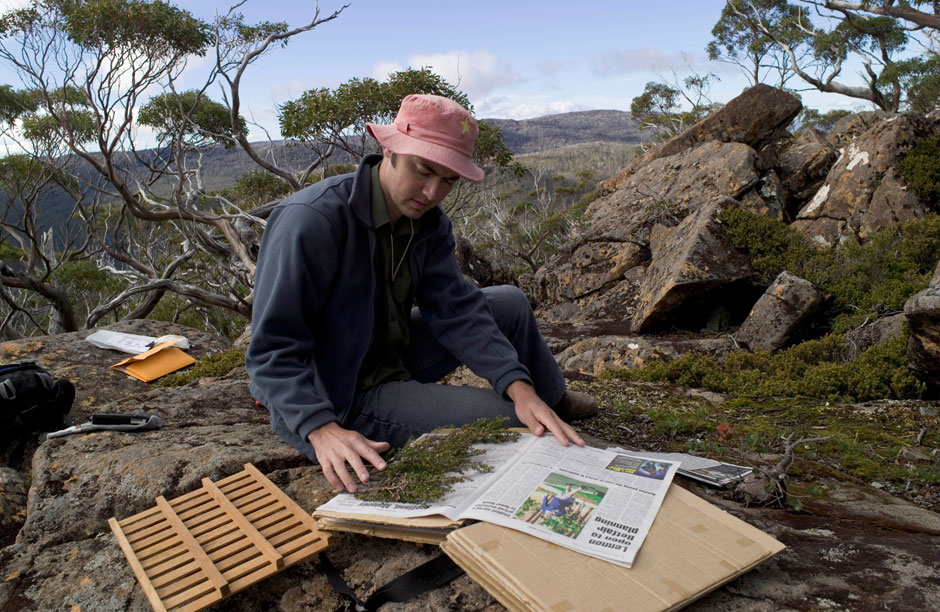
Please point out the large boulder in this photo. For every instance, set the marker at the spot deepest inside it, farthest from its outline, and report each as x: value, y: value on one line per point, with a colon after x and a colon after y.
x: 802, y: 165
x: 863, y: 191
x: 12, y: 504
x: 860, y: 339
x: 668, y: 189
x: 717, y: 157
x: 850, y: 127
x: 922, y: 312
x: 599, y: 270
x: 781, y: 314
x: 596, y: 355
x: 755, y: 118
x: 693, y: 267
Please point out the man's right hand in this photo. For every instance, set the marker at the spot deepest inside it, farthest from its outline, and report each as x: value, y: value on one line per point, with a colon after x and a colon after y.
x: 336, y: 447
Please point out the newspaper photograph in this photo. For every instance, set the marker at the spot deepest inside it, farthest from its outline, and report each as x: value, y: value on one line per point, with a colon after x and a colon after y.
x: 597, y: 502
x: 709, y: 471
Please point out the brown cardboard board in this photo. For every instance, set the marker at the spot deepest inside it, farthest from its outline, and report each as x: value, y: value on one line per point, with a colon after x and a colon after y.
x: 692, y: 548
x: 423, y: 530
x: 158, y: 361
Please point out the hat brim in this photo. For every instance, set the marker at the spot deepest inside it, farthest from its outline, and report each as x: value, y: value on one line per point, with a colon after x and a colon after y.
x: 398, y: 142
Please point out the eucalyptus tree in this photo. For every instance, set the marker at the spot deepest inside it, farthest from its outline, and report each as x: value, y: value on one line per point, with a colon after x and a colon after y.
x: 86, y: 69
x: 895, y: 43
x: 668, y: 109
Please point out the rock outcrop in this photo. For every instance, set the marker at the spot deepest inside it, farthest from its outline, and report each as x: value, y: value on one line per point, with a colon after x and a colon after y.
x: 922, y: 313
x: 863, y: 192
x: 755, y: 118
x: 663, y: 193
x: 609, y: 274
x: 614, y: 280
x: 779, y: 316
x: 802, y: 166
x: 693, y: 265
x: 881, y: 330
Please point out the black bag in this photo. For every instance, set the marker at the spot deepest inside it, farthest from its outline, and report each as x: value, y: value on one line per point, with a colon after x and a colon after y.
x: 31, y: 401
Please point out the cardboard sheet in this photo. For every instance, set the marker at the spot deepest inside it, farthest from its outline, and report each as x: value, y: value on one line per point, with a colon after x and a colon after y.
x: 692, y: 548
x: 162, y: 359
x: 423, y: 530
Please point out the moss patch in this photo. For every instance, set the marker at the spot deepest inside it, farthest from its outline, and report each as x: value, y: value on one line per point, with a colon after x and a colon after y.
x: 216, y: 364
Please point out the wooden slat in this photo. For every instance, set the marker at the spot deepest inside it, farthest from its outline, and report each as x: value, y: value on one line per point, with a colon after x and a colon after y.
x: 244, y: 525
x: 167, y: 570
x: 166, y: 581
x: 183, y: 597
x: 282, y: 497
x: 194, y: 550
x: 147, y: 531
x: 139, y: 572
x: 267, y: 519
x: 200, y: 556
x: 161, y: 557
x: 249, y: 497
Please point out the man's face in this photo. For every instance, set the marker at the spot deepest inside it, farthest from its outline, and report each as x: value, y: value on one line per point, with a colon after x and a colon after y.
x: 412, y: 185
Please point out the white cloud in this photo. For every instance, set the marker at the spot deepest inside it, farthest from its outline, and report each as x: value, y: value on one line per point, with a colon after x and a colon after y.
x: 550, y: 67
x: 382, y: 70
x: 474, y: 73
x: 616, y: 63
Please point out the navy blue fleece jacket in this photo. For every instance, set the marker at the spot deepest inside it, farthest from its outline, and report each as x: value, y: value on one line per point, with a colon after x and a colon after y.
x: 313, y: 307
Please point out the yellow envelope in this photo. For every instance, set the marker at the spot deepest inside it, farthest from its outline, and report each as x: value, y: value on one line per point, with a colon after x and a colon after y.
x: 158, y: 361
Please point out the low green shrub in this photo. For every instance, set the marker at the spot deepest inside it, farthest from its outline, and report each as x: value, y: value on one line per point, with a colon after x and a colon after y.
x: 865, y: 280
x: 921, y: 171
x: 815, y: 369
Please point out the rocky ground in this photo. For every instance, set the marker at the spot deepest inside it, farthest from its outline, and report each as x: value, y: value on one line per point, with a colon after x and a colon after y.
x: 853, y: 548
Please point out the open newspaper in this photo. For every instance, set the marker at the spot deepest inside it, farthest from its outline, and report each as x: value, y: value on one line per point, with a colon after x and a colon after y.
x: 594, y: 501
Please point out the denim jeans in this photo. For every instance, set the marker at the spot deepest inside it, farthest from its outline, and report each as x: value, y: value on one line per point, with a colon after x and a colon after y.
x: 393, y: 412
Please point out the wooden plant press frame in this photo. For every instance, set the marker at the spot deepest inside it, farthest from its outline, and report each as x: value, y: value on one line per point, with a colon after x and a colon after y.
x: 193, y: 551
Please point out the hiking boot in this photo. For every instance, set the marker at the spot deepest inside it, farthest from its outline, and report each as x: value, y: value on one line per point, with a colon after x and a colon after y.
x: 575, y: 405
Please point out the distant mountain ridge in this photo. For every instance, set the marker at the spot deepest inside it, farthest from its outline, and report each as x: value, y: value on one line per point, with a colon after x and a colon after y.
x: 222, y: 167
x: 553, y: 131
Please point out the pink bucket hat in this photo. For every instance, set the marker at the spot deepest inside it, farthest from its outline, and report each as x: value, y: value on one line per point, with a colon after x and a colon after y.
x: 433, y: 128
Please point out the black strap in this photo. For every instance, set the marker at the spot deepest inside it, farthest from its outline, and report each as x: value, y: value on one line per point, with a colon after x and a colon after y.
x: 428, y: 576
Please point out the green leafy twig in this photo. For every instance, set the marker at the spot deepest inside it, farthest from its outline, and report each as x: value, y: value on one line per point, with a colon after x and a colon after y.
x: 424, y: 472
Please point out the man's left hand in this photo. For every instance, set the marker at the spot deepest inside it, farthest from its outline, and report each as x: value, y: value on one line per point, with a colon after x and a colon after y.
x: 537, y: 416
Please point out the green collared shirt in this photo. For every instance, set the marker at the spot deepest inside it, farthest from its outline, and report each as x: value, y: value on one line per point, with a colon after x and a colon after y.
x: 392, y: 305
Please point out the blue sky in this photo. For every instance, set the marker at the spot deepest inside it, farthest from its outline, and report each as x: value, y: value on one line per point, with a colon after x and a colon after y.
x: 515, y: 58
